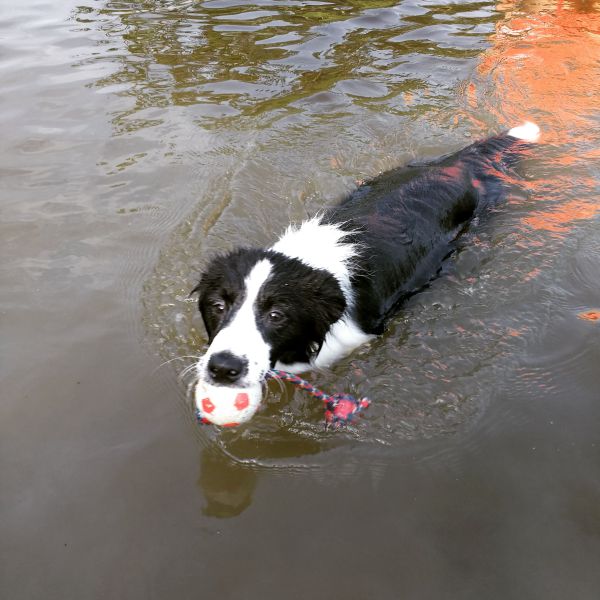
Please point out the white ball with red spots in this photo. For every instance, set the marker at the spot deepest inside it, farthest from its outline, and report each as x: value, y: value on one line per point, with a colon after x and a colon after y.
x: 227, y: 406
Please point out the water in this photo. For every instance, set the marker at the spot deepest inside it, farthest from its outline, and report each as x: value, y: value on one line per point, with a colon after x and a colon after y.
x: 140, y: 138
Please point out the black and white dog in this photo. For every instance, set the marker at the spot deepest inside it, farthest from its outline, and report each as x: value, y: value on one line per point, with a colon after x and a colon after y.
x: 331, y: 284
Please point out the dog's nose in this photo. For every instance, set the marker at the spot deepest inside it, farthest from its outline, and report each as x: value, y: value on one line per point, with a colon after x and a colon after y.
x: 224, y: 367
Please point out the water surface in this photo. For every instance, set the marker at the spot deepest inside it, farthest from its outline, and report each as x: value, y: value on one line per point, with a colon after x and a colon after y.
x: 140, y: 138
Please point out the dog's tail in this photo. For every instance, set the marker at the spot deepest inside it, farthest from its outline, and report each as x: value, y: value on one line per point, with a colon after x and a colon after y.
x: 528, y: 132
x: 491, y: 161
x: 504, y: 149
x: 501, y: 152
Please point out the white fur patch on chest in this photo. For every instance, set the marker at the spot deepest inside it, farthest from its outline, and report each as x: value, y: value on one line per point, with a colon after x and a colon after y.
x: 343, y: 337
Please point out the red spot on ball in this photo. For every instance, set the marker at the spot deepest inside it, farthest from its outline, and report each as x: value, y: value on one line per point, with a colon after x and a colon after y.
x: 207, y: 405
x: 230, y: 424
x: 241, y: 401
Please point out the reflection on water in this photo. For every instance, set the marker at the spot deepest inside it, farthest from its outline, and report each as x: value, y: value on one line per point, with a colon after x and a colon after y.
x: 228, y: 486
x: 229, y: 61
x: 544, y: 61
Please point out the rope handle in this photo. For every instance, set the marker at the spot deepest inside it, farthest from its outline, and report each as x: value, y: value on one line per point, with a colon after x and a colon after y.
x: 339, y: 408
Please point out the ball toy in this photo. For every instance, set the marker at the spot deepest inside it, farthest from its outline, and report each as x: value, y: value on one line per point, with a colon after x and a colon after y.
x: 226, y: 406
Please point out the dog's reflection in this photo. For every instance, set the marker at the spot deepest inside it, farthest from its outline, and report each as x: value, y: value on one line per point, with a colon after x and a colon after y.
x: 227, y: 485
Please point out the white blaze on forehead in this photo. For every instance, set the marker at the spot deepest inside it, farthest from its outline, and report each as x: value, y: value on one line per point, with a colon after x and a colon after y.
x: 321, y: 246
x: 255, y: 280
x: 241, y: 336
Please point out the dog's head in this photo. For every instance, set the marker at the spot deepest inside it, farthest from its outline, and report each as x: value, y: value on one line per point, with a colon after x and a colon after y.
x: 261, y: 308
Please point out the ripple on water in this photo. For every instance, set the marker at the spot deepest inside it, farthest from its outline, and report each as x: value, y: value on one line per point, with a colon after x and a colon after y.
x: 431, y: 375
x: 307, y: 122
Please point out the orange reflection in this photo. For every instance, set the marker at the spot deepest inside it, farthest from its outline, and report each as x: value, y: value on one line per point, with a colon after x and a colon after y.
x: 545, y: 64
x: 559, y: 219
x: 546, y: 61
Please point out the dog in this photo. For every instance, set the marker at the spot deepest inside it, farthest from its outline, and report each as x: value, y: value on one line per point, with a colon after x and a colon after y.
x: 331, y: 284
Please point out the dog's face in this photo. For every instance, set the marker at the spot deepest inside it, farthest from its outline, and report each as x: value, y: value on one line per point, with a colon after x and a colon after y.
x: 260, y: 308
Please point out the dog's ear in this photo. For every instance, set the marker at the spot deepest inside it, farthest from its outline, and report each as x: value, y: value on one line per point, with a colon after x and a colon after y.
x: 330, y: 302
x: 197, y: 289
x: 327, y: 305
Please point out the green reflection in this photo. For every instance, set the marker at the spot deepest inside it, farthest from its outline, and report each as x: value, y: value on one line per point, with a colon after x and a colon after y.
x: 226, y: 61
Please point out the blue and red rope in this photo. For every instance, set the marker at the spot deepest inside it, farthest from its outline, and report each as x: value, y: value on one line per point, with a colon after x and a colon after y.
x: 339, y: 408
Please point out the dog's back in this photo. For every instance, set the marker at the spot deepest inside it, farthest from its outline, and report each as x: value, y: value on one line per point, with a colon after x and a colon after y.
x: 406, y: 220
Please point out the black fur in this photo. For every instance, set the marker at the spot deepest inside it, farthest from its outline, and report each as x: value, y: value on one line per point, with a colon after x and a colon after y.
x: 407, y: 221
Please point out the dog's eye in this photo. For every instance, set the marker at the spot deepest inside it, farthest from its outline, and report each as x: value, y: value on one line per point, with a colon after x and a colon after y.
x: 218, y: 305
x: 276, y: 316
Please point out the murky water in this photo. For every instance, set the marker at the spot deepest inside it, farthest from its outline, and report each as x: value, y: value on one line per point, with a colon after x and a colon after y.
x: 139, y: 138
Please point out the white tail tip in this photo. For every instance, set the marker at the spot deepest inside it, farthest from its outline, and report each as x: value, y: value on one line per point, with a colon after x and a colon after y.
x: 529, y: 132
